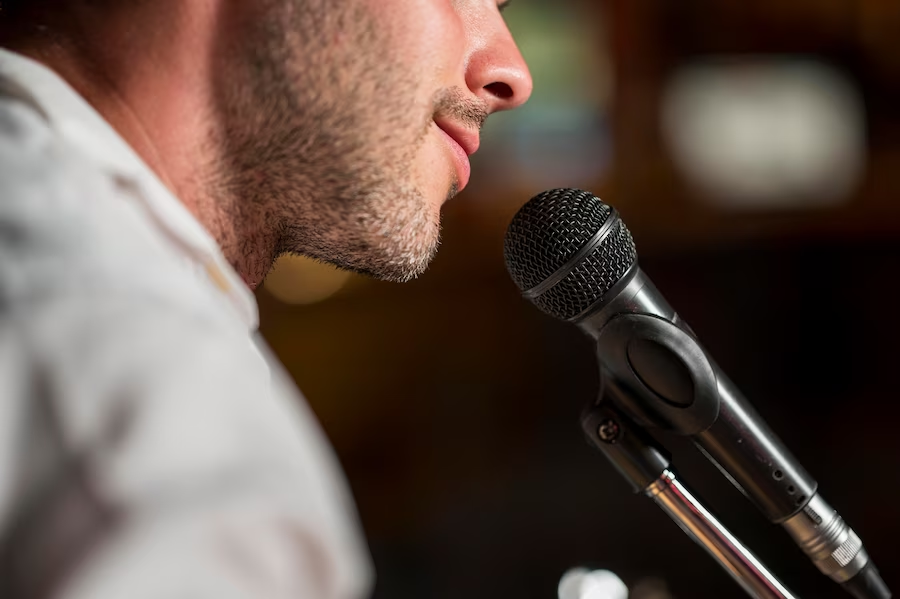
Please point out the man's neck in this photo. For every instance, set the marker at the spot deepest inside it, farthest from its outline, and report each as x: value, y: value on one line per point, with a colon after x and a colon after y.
x: 154, y: 84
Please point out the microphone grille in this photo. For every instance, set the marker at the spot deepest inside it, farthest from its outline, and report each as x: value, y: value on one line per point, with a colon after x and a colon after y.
x: 549, y: 231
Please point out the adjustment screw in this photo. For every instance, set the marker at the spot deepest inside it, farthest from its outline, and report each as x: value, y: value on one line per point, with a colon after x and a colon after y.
x: 608, y: 431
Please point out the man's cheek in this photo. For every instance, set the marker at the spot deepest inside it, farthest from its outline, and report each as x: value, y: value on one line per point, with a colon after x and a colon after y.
x: 426, y: 35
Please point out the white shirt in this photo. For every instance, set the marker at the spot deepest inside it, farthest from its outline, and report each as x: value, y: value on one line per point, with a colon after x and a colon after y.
x: 150, y: 447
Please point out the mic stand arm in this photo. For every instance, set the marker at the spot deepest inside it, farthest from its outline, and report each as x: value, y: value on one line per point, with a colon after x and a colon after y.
x: 641, y: 461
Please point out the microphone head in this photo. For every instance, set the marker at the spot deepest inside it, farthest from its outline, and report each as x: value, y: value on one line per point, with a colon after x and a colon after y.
x: 566, y: 249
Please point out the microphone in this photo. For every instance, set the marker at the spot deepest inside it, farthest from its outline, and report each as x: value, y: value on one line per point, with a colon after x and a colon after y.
x: 574, y: 258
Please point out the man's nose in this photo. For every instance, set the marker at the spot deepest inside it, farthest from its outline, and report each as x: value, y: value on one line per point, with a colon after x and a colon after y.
x: 496, y: 72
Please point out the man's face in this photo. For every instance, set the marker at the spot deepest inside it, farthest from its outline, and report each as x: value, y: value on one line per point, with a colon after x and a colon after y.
x: 346, y: 124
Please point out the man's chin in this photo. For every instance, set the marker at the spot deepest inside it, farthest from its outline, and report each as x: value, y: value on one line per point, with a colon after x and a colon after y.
x: 390, y: 272
x: 394, y: 238
x: 395, y: 264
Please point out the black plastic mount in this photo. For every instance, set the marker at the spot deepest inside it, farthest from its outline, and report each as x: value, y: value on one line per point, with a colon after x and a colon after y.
x: 662, y: 374
x: 634, y: 453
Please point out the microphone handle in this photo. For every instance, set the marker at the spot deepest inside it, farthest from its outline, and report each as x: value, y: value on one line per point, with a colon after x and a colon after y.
x: 657, y: 373
x: 655, y: 370
x: 742, y: 446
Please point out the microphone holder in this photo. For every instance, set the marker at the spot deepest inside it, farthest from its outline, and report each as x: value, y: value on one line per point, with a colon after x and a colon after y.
x: 645, y: 465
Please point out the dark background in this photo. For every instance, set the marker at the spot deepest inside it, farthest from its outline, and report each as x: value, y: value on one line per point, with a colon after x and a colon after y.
x: 453, y: 403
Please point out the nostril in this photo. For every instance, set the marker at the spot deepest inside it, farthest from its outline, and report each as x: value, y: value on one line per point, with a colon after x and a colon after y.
x: 500, y: 90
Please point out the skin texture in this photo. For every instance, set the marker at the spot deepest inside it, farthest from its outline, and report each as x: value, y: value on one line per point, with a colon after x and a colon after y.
x: 316, y: 127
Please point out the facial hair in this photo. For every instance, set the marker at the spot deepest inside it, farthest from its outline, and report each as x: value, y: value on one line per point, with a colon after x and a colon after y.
x: 319, y: 129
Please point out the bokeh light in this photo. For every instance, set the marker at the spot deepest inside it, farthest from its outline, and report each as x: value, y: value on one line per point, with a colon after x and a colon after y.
x: 299, y: 280
x: 766, y: 132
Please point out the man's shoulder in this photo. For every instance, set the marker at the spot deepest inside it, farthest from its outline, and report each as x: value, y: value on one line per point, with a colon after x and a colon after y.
x: 26, y: 139
x: 68, y: 222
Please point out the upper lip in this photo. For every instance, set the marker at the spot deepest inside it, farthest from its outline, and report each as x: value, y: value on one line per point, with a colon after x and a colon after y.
x: 467, y: 139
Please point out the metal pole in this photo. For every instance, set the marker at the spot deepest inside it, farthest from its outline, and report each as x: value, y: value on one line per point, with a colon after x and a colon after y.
x: 725, y: 548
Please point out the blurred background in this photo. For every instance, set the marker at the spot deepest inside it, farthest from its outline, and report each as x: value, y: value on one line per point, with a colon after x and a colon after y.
x: 753, y: 149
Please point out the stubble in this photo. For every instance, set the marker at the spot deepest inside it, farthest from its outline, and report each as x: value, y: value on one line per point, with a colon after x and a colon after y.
x: 318, y: 133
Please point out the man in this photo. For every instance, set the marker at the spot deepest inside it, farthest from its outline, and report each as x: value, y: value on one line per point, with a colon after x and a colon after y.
x: 155, y: 159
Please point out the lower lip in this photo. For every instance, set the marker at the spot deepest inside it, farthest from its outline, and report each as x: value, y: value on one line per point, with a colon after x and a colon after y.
x: 463, y: 168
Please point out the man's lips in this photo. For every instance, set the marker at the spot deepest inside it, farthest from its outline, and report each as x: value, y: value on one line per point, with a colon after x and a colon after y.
x: 463, y: 143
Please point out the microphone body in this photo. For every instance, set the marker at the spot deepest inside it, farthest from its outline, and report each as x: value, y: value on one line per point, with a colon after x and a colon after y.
x: 655, y: 371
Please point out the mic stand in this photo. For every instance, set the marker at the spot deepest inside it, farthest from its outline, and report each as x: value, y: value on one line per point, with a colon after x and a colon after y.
x: 643, y: 463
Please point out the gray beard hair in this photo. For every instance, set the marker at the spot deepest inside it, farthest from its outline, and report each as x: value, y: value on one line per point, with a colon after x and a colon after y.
x: 315, y: 146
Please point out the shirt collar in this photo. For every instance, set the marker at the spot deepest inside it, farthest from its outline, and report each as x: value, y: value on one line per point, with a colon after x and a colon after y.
x: 77, y: 121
